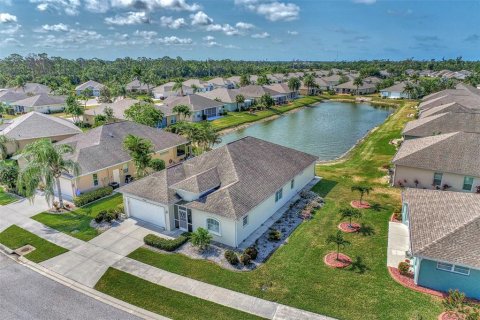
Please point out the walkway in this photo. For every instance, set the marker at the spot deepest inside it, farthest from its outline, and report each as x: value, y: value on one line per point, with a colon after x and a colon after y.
x: 398, y: 243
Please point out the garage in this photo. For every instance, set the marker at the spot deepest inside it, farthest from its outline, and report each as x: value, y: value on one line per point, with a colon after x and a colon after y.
x: 66, y: 187
x: 147, y: 212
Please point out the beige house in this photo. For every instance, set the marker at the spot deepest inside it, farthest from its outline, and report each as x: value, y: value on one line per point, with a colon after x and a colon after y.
x: 448, y: 161
x: 442, y: 123
x: 32, y: 126
x: 202, y: 108
x: 42, y: 102
x: 118, y: 108
x: 103, y: 160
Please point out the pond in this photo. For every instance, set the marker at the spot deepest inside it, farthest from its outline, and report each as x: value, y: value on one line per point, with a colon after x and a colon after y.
x: 327, y: 130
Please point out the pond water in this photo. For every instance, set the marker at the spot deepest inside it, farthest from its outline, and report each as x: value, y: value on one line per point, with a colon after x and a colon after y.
x: 327, y: 130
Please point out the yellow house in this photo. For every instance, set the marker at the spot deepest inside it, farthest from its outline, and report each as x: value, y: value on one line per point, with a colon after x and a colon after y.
x: 103, y: 160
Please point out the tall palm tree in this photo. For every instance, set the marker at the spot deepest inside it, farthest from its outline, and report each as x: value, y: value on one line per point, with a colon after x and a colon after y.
x: 45, y: 164
x: 350, y: 213
x: 362, y: 189
x: 357, y: 82
x: 309, y: 82
x: 409, y: 90
x: 294, y: 84
x: 338, y: 240
x: 178, y: 86
x: 239, y: 98
x: 140, y: 150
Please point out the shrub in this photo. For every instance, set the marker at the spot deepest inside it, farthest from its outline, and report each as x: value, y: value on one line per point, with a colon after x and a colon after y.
x: 245, y: 259
x: 404, y: 268
x: 157, y: 164
x: 113, y: 212
x: 100, y: 216
x: 252, y: 252
x: 164, y: 244
x: 91, y: 196
x: 201, y: 239
x: 274, y: 235
x: 397, y: 216
x: 231, y: 257
x: 120, y: 208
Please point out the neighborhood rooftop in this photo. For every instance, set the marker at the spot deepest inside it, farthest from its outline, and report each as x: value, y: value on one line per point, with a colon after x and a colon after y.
x: 443, y: 123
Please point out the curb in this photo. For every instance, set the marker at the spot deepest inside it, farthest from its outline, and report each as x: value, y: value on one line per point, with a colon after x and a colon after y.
x: 97, y: 295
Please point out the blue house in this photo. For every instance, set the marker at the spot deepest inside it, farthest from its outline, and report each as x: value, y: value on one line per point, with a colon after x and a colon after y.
x: 444, y: 228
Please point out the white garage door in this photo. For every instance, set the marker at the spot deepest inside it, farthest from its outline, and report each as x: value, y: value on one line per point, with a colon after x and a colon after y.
x: 66, y: 186
x: 146, y: 212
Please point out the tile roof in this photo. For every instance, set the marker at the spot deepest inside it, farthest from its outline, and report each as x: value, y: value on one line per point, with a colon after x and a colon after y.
x: 249, y: 171
x: 34, y: 125
x: 102, y: 146
x: 443, y: 123
x: 444, y: 225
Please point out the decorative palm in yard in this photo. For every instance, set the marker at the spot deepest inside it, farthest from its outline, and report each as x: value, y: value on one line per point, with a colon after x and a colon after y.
x: 140, y: 150
x: 338, y: 240
x: 45, y: 164
x: 357, y: 83
x: 239, y: 99
x: 178, y: 86
x: 182, y: 110
x: 294, y: 84
x: 309, y: 82
x: 350, y: 213
x: 362, y: 189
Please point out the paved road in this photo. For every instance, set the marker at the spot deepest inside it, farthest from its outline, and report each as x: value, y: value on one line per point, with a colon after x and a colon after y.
x: 27, y: 295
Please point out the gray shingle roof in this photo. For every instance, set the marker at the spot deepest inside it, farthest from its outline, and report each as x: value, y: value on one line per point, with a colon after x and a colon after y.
x: 34, y: 125
x: 443, y: 123
x: 137, y: 85
x: 196, y: 102
x: 444, y: 225
x: 223, y: 94
x: 449, y: 107
x: 455, y: 152
x: 11, y: 96
x: 250, y: 170
x: 90, y: 83
x: 281, y: 88
x: 32, y: 88
x: 102, y: 147
x: 399, y: 87
x: 256, y: 91
x: 118, y: 108
x: 42, y: 99
x: 467, y: 99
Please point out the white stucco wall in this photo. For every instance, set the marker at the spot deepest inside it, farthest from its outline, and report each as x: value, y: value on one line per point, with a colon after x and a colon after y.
x: 227, y: 226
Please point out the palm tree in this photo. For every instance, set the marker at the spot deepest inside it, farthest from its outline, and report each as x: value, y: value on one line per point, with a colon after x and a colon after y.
x: 362, y: 189
x: 182, y: 109
x: 4, y: 142
x: 309, y: 82
x: 239, y: 99
x: 140, y: 150
x: 338, y: 240
x: 294, y: 84
x: 244, y: 80
x: 195, y: 88
x: 45, y: 164
x: 178, y: 86
x: 409, y: 90
x: 350, y: 213
x: 358, y: 82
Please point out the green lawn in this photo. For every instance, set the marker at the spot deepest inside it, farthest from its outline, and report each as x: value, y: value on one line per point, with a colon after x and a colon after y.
x: 15, y: 237
x: 6, y: 198
x: 164, y: 301
x: 77, y: 222
x: 234, y: 119
x: 296, y: 275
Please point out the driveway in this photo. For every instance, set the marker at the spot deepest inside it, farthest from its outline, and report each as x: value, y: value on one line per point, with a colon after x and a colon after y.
x: 398, y: 243
x: 27, y: 295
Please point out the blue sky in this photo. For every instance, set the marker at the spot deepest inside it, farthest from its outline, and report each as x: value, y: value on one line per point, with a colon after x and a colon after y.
x: 242, y: 29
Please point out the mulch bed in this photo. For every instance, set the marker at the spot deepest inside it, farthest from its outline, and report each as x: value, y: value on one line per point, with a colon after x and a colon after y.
x: 345, y: 227
x: 358, y: 205
x: 392, y: 218
x: 449, y: 316
x: 407, y: 281
x: 342, y: 262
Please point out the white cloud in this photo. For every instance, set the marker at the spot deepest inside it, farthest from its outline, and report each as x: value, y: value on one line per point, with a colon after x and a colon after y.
x: 70, y: 7
x: 262, y: 35
x: 365, y: 1
x: 292, y: 33
x: 225, y: 28
x: 173, y: 40
x: 201, y: 19
x: 176, y: 5
x: 244, y: 25
x: 10, y: 29
x: 7, y: 17
x: 128, y: 19
x: 97, y: 6
x: 272, y: 10
x: 208, y: 38
x: 11, y: 42
x: 72, y: 39
x: 54, y: 27
x: 145, y: 34
x: 169, y: 22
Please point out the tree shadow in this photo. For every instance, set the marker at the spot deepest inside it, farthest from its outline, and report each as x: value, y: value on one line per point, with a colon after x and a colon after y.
x: 375, y: 206
x: 359, y: 266
x: 366, y: 230
x: 324, y: 187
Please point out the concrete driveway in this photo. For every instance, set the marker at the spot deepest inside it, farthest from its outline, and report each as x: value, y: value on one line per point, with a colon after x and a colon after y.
x: 398, y: 243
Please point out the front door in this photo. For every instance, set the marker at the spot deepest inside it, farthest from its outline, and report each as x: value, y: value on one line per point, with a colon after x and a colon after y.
x: 116, y: 175
x: 182, y: 218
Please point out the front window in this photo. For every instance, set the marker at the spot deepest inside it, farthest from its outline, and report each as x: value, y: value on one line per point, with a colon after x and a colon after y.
x: 181, y: 150
x: 211, y: 112
x: 467, y: 183
x: 437, y: 178
x: 95, y: 180
x: 278, y: 195
x: 125, y: 168
x: 213, y: 226
x: 245, y: 220
x: 453, y: 268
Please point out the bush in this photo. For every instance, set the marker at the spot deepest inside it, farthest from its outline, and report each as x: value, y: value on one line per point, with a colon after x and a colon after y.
x: 245, y: 259
x: 201, y: 239
x: 120, y: 208
x: 164, y: 244
x: 274, y: 235
x: 157, y: 164
x: 91, y: 196
x: 404, y: 268
x: 100, y: 216
x: 231, y: 257
x: 252, y: 252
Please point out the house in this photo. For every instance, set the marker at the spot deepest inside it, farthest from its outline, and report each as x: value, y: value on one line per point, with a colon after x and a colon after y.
x: 221, y: 83
x: 235, y: 80
x: 196, y: 85
x: 43, y: 103
x: 254, y: 92
x: 201, y: 107
x: 230, y: 191
x: 463, y: 97
x: 350, y: 88
x: 165, y: 90
x: 443, y: 239
x: 321, y: 85
x: 226, y: 96
x: 103, y: 159
x: 449, y: 107
x: 94, y: 86
x: 447, y: 161
x: 397, y: 91
x: 332, y: 80
x: 138, y: 86
x: 442, y: 123
x: 118, y: 108
x: 284, y: 91
x: 32, y: 126
x: 8, y: 96
x: 32, y: 88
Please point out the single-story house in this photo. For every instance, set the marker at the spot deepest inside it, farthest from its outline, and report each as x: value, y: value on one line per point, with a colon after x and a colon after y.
x: 103, y: 160
x: 196, y: 85
x: 227, y: 96
x: 467, y: 99
x: 32, y: 126
x: 284, y: 91
x: 449, y: 107
x: 395, y: 92
x: 254, y: 92
x: 32, y: 88
x: 444, y: 238
x: 332, y: 80
x: 8, y: 96
x: 43, y: 103
x: 449, y: 159
x: 95, y: 86
x: 165, y: 90
x: 442, y: 123
x: 349, y: 88
x: 321, y: 85
x: 137, y: 86
x: 201, y: 108
x: 230, y: 191
x: 235, y: 80
x: 221, y: 83
x: 118, y: 108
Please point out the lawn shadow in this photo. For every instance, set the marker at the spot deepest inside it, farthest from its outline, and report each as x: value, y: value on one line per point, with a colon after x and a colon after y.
x: 324, y: 186
x: 366, y: 230
x: 359, y: 266
x: 375, y: 206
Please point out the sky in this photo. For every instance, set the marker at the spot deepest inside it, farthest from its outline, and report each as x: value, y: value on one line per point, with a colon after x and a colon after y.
x: 314, y: 30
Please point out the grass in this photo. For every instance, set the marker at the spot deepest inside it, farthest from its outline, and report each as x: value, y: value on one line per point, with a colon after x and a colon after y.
x: 5, y: 197
x: 15, y: 237
x: 77, y: 223
x: 296, y: 275
x: 164, y: 301
x: 234, y: 119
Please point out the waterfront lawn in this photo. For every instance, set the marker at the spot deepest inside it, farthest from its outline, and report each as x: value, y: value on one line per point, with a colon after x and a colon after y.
x: 15, y: 237
x: 161, y: 300
x: 234, y: 119
x: 77, y: 223
x: 296, y: 275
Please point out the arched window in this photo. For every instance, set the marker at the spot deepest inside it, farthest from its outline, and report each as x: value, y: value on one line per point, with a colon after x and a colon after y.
x: 213, y: 226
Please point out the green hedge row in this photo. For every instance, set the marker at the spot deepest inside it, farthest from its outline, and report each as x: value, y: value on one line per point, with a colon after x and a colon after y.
x: 91, y: 196
x: 165, y: 244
